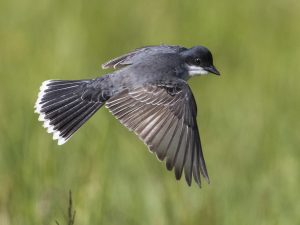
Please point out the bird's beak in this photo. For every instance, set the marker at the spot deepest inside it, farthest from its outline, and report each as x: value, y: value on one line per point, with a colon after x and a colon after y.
x: 212, y: 69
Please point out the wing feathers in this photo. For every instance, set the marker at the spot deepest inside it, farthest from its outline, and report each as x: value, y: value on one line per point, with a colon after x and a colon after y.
x: 181, y: 152
x: 173, y: 144
x: 167, y: 125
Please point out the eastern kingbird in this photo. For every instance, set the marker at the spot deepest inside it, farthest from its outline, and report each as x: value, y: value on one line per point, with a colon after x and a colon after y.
x: 148, y: 93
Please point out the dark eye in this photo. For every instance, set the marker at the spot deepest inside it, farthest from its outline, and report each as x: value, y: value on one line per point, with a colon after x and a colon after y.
x: 198, y: 61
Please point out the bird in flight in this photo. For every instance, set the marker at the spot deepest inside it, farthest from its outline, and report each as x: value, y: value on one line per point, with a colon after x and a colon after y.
x: 148, y: 93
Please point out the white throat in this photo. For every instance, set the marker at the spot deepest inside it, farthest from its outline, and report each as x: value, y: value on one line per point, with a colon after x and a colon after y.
x: 196, y: 70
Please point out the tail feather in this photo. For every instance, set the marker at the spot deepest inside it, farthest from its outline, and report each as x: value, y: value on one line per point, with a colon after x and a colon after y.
x: 58, y: 113
x: 56, y: 102
x: 62, y: 109
x: 70, y: 128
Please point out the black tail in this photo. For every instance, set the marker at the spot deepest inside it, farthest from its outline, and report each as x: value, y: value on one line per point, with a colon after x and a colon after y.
x: 62, y: 107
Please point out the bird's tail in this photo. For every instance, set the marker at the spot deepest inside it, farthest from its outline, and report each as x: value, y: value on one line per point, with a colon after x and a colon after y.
x: 62, y: 107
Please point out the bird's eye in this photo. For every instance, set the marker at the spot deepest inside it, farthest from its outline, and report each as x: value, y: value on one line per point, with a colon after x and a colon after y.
x: 198, y: 61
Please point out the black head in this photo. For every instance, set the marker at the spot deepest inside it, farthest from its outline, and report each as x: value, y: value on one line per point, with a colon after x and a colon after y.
x: 199, y: 61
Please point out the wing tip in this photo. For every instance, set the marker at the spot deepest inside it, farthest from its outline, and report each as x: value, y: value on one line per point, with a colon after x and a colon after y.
x: 204, y: 172
x: 104, y: 66
x: 207, y: 179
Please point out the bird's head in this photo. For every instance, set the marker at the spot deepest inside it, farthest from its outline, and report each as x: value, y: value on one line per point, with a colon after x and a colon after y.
x: 199, y: 60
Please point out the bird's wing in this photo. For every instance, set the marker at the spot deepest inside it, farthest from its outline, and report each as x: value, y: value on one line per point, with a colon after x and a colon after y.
x: 164, y: 117
x: 139, y: 54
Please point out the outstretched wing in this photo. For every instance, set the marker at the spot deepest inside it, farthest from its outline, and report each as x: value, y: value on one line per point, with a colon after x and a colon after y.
x: 139, y: 54
x: 164, y: 117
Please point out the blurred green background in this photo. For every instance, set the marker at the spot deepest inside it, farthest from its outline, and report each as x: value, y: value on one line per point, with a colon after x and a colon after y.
x: 248, y: 117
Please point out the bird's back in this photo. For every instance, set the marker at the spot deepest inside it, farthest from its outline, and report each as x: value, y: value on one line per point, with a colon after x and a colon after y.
x: 139, y: 54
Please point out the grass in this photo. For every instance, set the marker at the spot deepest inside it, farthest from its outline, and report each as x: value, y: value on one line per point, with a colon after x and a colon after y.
x: 248, y: 117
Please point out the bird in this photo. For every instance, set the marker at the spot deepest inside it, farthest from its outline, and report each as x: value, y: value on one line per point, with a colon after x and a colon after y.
x: 148, y: 93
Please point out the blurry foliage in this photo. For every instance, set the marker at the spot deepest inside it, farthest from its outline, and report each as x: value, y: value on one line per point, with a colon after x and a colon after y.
x: 248, y: 117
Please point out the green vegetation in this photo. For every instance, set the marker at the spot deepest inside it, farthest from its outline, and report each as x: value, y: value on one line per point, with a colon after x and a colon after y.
x: 248, y: 117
